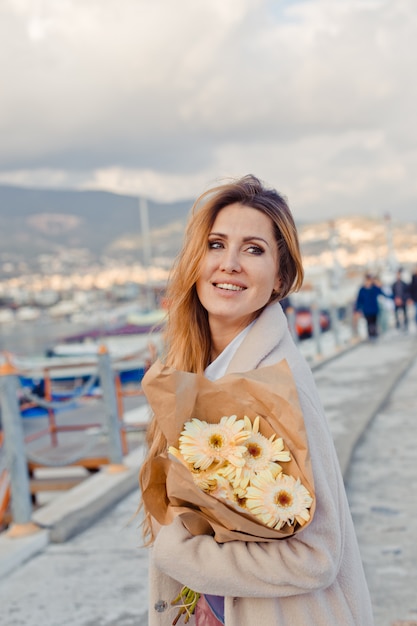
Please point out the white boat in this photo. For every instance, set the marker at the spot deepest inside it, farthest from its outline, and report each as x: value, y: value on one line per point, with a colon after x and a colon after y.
x: 6, y: 316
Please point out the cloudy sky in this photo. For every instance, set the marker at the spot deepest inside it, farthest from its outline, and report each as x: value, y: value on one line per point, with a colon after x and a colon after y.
x: 165, y: 97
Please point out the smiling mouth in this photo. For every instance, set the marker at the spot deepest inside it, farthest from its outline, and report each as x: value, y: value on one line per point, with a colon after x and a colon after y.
x: 229, y: 287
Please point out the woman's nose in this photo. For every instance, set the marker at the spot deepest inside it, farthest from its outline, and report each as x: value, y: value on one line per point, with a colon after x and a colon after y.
x: 230, y: 261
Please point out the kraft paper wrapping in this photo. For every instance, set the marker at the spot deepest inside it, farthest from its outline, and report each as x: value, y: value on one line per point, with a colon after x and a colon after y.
x: 176, y: 397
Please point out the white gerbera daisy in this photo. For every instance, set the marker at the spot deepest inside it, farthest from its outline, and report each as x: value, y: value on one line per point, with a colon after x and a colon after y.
x: 203, y: 444
x: 223, y: 489
x: 204, y: 479
x: 279, y: 500
x: 261, y: 454
x: 177, y: 455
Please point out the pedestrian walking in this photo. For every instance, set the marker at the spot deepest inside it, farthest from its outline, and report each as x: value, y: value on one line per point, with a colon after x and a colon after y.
x: 413, y: 292
x: 240, y: 257
x: 400, y: 294
x: 367, y: 304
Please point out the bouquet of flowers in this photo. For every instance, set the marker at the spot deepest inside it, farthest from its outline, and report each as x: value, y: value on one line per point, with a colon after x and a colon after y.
x: 237, y: 465
x: 232, y: 460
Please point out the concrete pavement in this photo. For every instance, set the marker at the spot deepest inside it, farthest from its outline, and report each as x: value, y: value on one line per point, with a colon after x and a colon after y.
x: 98, y: 578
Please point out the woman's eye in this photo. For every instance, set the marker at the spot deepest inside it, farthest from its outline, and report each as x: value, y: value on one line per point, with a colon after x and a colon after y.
x: 255, y: 250
x: 215, y: 245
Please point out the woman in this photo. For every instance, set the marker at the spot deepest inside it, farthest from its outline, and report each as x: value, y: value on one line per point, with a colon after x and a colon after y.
x: 240, y: 258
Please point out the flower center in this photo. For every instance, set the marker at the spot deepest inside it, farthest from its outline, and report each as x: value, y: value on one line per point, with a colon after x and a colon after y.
x: 283, y: 499
x: 215, y: 441
x: 254, y: 450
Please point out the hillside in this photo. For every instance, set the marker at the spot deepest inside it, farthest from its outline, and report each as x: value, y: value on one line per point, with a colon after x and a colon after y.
x: 38, y: 221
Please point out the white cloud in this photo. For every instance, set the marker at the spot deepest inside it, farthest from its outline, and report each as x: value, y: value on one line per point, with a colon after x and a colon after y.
x: 316, y: 97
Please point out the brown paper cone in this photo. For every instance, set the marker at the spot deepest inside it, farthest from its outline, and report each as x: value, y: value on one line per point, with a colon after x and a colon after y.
x: 177, y: 397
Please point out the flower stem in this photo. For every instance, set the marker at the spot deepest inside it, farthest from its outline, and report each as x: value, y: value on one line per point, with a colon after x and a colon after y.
x: 188, y: 599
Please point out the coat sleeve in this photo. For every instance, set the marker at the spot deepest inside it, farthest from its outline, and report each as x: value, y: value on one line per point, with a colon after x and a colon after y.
x: 304, y: 562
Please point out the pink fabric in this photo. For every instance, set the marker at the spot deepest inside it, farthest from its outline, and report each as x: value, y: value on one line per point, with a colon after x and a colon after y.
x: 204, y: 616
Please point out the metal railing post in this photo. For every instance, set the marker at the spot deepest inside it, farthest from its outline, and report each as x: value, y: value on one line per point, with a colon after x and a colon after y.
x: 353, y: 321
x: 315, y: 313
x: 291, y: 323
x: 108, y: 388
x: 335, y: 325
x: 14, y: 445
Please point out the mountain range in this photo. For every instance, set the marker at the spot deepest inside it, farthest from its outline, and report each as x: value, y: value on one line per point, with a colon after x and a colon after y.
x: 43, y: 221
x: 36, y: 221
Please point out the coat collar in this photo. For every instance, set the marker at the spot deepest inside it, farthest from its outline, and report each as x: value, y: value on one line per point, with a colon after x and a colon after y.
x: 263, y: 337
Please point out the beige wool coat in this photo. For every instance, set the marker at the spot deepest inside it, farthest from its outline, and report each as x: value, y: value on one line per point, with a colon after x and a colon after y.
x: 313, y: 578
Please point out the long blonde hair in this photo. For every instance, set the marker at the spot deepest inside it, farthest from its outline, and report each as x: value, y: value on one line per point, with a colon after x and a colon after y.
x: 187, y: 337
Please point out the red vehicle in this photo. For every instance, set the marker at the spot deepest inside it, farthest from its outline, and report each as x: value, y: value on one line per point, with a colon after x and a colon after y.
x: 304, y: 322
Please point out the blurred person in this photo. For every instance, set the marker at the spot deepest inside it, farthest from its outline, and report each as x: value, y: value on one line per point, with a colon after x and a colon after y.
x: 367, y: 304
x: 240, y: 257
x: 413, y: 291
x: 400, y: 294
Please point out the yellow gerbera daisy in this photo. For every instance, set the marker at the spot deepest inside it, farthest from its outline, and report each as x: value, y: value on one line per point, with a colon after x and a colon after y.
x: 203, y: 444
x: 279, y: 500
x: 261, y: 454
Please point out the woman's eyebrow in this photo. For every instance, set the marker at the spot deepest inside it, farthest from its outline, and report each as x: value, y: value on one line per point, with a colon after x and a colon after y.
x: 256, y: 238
x: 245, y: 239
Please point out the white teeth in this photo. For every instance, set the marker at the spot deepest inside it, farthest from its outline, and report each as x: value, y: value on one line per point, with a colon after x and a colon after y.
x: 229, y: 286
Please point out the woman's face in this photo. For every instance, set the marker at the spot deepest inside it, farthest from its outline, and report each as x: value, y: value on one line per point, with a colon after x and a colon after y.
x: 240, y: 268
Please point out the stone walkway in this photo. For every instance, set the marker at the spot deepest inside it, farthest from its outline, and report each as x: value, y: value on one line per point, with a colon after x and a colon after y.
x: 382, y: 491
x: 98, y: 578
